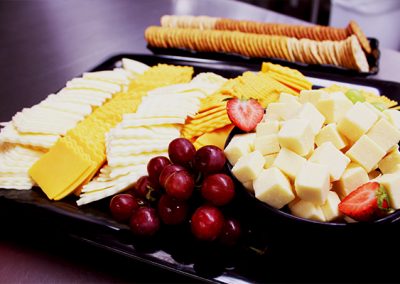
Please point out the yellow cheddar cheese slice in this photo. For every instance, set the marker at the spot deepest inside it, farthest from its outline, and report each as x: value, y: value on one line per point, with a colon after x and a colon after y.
x: 55, y: 175
x: 217, y: 137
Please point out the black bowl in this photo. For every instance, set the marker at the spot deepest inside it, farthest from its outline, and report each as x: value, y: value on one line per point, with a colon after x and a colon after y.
x: 283, y: 215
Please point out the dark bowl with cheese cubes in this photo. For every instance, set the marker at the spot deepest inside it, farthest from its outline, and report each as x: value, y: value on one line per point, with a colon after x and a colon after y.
x: 280, y: 205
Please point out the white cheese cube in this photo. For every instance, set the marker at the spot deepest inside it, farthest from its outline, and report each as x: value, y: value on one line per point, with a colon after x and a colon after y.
x: 357, y: 121
x: 284, y: 110
x: 353, y: 176
x: 379, y: 113
x: 287, y: 98
x: 269, y: 160
x: 307, y: 210
x: 248, y: 167
x: 312, y: 183
x: 384, y: 134
x: 393, y: 116
x: 330, y: 133
x: 267, y: 127
x: 390, y: 163
x: 240, y: 145
x: 327, y: 154
x: 334, y: 106
x: 331, y: 207
x: 272, y: 187
x: 391, y: 182
x: 267, y: 144
x: 270, y: 116
x: 310, y: 112
x: 366, y: 153
x: 289, y: 162
x: 297, y: 136
x: 249, y: 186
x: 311, y: 96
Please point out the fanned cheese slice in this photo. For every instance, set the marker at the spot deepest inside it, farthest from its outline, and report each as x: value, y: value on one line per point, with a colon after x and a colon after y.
x: 83, y: 83
x: 15, y: 161
x: 55, y: 175
x: 113, y: 76
x: 134, y: 66
x: 11, y: 135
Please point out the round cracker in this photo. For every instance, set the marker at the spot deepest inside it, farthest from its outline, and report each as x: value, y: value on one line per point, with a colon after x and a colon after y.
x: 356, y: 30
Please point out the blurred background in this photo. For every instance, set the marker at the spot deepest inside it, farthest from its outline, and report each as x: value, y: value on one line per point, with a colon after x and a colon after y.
x: 378, y: 19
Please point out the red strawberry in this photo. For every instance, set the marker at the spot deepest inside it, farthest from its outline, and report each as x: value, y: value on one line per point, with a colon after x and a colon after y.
x: 245, y: 114
x: 366, y: 203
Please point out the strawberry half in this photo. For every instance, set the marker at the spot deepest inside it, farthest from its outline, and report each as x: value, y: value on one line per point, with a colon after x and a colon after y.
x: 367, y: 203
x: 245, y: 114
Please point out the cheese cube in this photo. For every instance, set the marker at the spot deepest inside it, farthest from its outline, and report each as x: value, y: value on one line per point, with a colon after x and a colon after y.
x: 391, y: 182
x: 390, y: 163
x: 353, y: 176
x: 328, y: 155
x: 248, y: 167
x: 272, y: 187
x: 249, y: 186
x: 393, y: 116
x: 297, y: 135
x: 289, y: 162
x: 312, y: 183
x: 331, y: 207
x: 267, y: 127
x: 366, y: 153
x: 379, y: 113
x: 330, y: 133
x: 267, y: 144
x: 357, y: 121
x: 270, y: 116
x: 311, y: 96
x: 269, y: 160
x: 334, y: 106
x: 240, y: 145
x: 284, y: 110
x: 287, y: 98
x: 310, y: 112
x: 384, y: 134
x: 308, y: 210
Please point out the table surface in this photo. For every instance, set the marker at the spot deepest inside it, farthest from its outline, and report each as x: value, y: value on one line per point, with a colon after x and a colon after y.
x: 45, y: 43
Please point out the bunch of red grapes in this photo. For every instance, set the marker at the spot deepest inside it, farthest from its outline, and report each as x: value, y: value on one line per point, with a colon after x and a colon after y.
x: 167, y: 193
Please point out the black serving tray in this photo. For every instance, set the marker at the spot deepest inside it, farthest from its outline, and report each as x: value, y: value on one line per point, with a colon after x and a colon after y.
x: 271, y: 250
x: 372, y: 58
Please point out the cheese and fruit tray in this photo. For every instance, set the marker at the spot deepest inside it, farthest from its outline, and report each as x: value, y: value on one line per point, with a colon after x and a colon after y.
x: 221, y: 168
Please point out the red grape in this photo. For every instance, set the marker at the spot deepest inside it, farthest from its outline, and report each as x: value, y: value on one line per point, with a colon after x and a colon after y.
x: 172, y: 211
x: 180, y: 185
x: 181, y: 151
x: 230, y: 233
x: 168, y: 171
x: 209, y: 159
x: 218, y: 189
x: 207, y: 222
x: 145, y: 222
x: 155, y: 166
x: 122, y: 206
x: 142, y: 187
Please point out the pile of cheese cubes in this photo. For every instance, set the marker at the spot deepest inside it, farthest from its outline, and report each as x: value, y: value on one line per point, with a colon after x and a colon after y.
x: 311, y: 151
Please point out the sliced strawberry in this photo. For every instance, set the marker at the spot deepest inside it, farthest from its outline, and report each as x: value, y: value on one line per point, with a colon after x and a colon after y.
x: 366, y: 203
x: 245, y: 114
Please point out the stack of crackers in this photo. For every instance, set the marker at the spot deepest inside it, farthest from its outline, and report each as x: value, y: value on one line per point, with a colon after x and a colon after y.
x: 320, y: 45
